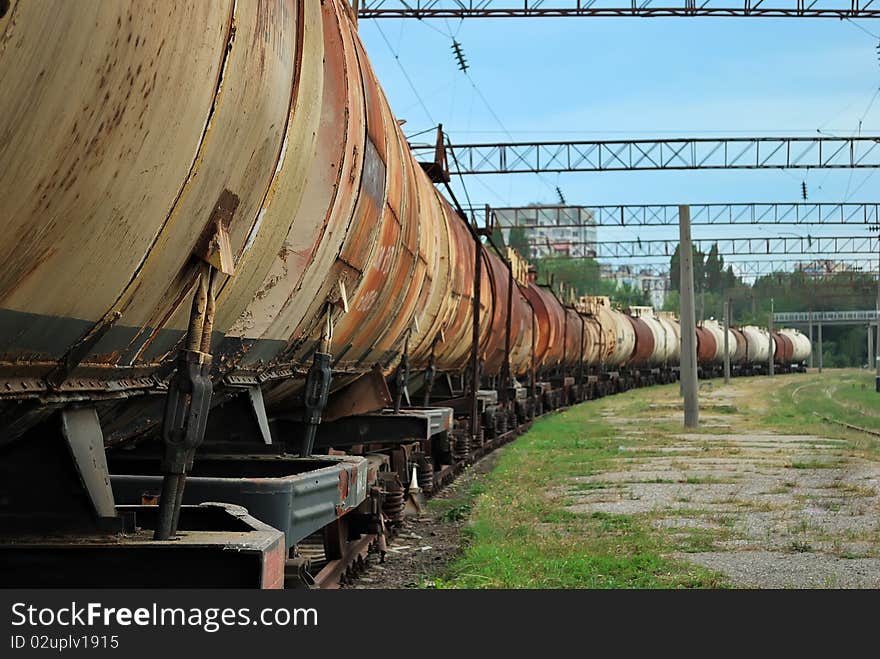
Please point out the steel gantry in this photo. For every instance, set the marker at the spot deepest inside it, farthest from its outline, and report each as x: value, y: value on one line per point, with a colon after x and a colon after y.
x: 637, y: 8
x: 665, y: 154
x: 618, y: 215
x: 846, y: 268
x: 769, y: 246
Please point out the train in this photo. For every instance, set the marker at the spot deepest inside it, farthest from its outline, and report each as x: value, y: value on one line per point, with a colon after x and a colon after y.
x: 238, y: 319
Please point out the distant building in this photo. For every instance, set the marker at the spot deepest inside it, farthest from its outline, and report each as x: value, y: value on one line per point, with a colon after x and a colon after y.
x: 552, y: 230
x: 823, y: 267
x: 656, y: 284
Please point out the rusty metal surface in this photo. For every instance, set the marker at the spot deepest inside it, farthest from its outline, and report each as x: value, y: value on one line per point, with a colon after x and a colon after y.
x: 550, y: 320
x: 597, y: 309
x: 624, y: 338
x: 714, y: 328
x: 784, y: 348
x: 663, y: 336
x: 98, y: 106
x: 368, y: 393
x: 644, y: 342
x: 494, y: 346
x: 801, y: 345
x: 294, y: 495
x: 707, y: 347
x: 244, y: 553
x: 740, y: 353
x: 572, y: 337
x: 593, y: 341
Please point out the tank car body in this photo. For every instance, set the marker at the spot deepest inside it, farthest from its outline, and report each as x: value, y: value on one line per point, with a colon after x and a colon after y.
x: 673, y: 336
x: 740, y: 353
x: 550, y: 321
x: 783, y: 348
x: 801, y: 345
x: 280, y: 210
x: 624, y: 334
x: 663, y: 337
x: 707, y: 346
x: 758, y: 345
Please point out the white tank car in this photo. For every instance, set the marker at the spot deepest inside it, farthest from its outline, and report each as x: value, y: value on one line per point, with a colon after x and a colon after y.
x: 673, y: 336
x: 802, y: 345
x: 662, y: 338
x: 717, y: 331
x: 758, y: 344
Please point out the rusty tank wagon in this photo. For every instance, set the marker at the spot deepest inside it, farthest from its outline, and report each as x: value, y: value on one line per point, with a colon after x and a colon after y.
x: 227, y: 279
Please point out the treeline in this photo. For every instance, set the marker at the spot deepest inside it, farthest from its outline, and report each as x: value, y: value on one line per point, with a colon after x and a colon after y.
x: 785, y: 291
x: 715, y: 281
x: 580, y: 273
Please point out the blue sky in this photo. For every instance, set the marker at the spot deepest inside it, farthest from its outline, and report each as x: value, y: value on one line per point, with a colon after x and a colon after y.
x: 607, y: 78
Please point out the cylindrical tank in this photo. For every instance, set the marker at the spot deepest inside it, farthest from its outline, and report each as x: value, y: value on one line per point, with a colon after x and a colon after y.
x: 644, y: 342
x: 784, y: 348
x: 572, y: 338
x: 596, y: 309
x: 661, y: 341
x: 801, y: 346
x: 707, y: 347
x: 740, y: 354
x: 758, y: 344
x: 285, y: 167
x: 673, y: 337
x: 593, y: 348
x: 550, y: 322
x: 520, y: 325
x: 625, y: 338
x: 717, y: 331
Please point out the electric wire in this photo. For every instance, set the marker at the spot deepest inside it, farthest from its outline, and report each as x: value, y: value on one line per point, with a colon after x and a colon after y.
x: 405, y: 74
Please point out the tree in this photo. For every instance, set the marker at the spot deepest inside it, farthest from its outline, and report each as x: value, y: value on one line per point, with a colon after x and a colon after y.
x: 518, y: 240
x: 713, y: 271
x: 675, y: 269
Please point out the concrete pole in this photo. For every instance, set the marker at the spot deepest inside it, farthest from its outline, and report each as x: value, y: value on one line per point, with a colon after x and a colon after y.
x: 820, y: 347
x: 870, y: 347
x: 812, y: 347
x: 726, y: 342
x: 877, y: 343
x: 771, y: 365
x: 688, y: 365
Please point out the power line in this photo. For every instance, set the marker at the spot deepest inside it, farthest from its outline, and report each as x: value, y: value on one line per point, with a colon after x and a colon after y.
x: 406, y: 75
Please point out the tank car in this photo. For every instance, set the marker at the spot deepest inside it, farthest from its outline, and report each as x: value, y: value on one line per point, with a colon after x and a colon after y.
x: 256, y: 296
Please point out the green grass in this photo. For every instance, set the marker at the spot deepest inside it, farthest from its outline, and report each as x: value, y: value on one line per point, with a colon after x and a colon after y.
x: 814, y: 464
x: 845, y: 395
x: 522, y: 535
x: 525, y: 529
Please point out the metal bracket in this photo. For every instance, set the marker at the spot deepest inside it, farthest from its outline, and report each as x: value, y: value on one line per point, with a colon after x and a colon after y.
x: 255, y: 395
x: 82, y: 432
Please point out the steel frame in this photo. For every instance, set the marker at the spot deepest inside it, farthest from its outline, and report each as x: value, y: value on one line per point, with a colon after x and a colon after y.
x: 666, y: 154
x: 768, y: 246
x: 461, y: 9
x: 757, y: 268
x: 619, y: 215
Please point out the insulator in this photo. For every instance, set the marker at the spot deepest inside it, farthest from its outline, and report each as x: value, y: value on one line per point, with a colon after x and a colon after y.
x: 459, y: 55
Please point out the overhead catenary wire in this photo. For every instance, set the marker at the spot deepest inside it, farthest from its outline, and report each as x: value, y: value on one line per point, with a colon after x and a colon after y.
x: 862, y: 28
x: 405, y: 74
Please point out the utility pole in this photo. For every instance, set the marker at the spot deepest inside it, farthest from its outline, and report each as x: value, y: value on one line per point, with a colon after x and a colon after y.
x: 771, y: 365
x: 688, y: 363
x: 810, y: 364
x: 875, y: 227
x: 820, y: 346
x: 727, y: 341
x: 870, y: 346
